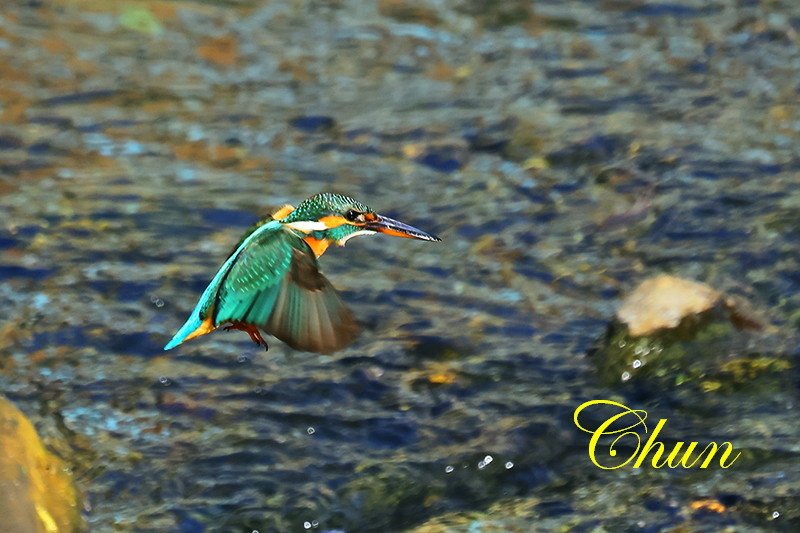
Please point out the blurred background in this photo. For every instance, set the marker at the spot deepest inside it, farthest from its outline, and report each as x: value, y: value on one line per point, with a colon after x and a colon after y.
x: 564, y: 151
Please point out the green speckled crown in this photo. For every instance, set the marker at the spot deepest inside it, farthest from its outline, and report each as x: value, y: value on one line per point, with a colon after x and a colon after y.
x: 325, y: 204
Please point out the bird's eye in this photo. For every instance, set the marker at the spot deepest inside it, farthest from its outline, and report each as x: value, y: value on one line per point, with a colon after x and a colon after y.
x: 354, y: 216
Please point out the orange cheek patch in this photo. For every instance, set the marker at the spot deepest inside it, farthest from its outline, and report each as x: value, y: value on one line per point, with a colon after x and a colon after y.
x: 318, y: 246
x: 333, y: 221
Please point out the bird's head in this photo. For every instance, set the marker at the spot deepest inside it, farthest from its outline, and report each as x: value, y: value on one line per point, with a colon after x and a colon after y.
x: 337, y: 218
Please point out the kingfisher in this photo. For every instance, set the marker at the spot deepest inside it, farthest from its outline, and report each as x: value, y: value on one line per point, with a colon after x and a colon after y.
x: 272, y: 280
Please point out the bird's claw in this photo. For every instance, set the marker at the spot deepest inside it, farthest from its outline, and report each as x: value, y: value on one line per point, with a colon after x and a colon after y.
x: 251, y: 330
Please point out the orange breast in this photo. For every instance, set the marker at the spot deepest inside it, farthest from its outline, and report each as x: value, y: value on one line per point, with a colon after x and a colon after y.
x: 318, y: 245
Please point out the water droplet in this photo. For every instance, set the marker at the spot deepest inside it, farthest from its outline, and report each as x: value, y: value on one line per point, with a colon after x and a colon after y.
x: 307, y: 525
x: 448, y: 469
x: 775, y: 514
x: 242, y: 359
x: 488, y: 459
x: 481, y: 465
x: 314, y: 523
x: 158, y: 302
x: 509, y: 465
x: 636, y: 363
x: 626, y: 376
x: 621, y: 344
x: 164, y: 380
x: 310, y: 431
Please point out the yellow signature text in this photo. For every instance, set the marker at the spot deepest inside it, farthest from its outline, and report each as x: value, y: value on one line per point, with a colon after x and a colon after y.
x: 625, y: 428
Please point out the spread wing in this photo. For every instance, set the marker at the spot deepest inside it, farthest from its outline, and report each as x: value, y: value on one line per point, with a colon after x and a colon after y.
x: 275, y: 283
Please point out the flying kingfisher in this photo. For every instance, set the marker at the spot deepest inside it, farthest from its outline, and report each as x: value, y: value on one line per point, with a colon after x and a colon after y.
x: 272, y: 281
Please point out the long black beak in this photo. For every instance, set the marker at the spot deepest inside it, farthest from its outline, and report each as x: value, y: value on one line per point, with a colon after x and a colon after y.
x: 390, y: 226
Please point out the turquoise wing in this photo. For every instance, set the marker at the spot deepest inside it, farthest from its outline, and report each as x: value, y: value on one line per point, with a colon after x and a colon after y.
x: 275, y: 284
x: 249, y: 289
x: 206, y: 303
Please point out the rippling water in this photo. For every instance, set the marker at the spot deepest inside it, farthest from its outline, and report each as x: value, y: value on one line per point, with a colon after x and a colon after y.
x: 563, y: 152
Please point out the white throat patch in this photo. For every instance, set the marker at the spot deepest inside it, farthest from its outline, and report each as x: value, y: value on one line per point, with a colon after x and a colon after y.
x: 343, y: 240
x: 307, y: 226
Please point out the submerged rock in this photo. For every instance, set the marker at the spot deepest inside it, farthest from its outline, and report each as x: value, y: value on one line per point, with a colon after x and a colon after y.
x: 36, y: 490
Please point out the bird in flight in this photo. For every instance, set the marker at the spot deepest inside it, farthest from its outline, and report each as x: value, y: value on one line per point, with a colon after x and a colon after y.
x: 271, y: 281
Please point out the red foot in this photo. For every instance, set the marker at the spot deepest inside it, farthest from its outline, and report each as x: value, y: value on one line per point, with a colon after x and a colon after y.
x: 251, y: 330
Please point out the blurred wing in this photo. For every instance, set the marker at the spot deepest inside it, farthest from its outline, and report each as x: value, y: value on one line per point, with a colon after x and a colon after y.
x: 308, y: 314
x: 275, y: 284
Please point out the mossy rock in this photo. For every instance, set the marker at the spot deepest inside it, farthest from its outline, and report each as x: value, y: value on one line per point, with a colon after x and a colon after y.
x: 671, y: 332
